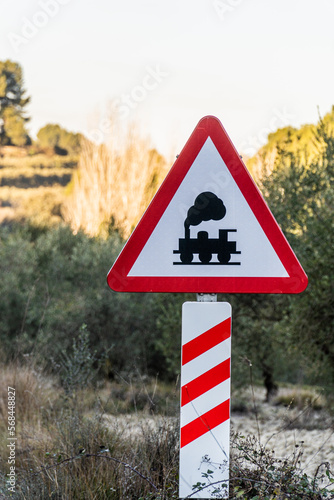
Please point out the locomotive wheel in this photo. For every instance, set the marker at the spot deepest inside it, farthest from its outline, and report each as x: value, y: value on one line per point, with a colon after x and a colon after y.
x: 205, y: 257
x: 186, y: 257
x: 224, y: 257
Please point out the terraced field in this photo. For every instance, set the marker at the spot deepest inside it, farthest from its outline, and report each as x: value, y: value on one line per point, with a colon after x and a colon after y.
x: 33, y: 186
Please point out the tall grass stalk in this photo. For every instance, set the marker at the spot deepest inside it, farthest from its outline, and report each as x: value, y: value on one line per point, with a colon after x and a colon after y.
x: 113, y: 185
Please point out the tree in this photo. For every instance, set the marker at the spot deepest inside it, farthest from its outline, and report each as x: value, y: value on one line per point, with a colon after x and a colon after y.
x: 302, y: 199
x: 49, y: 135
x: 12, y: 104
x: 300, y: 143
x: 59, y: 139
x: 290, y: 338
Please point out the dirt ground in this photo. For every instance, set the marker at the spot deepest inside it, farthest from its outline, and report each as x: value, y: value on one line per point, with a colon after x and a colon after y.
x: 288, y: 431
x: 285, y: 430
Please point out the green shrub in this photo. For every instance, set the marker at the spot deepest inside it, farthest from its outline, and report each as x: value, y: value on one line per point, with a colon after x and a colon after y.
x: 255, y: 473
x: 54, y: 282
x: 58, y: 138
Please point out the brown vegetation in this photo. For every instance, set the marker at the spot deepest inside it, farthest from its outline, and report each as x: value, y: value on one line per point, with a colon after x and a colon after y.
x: 32, y: 186
x: 78, y: 444
x: 113, y: 186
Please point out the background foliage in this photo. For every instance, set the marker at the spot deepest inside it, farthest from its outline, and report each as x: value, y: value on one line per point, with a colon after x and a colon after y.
x: 54, y: 280
x: 59, y: 139
x: 116, y: 182
x: 12, y: 104
x: 54, y: 274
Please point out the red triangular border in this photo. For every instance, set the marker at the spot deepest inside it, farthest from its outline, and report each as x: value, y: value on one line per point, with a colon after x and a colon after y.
x: 118, y: 278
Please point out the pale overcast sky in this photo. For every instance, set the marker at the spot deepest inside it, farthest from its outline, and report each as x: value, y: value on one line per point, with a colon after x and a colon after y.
x: 255, y: 64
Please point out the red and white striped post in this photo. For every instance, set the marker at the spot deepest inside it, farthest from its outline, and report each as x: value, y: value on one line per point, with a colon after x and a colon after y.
x: 205, y: 400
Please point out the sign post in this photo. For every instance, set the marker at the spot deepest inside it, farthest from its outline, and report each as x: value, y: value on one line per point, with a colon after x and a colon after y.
x: 205, y: 399
x: 209, y: 230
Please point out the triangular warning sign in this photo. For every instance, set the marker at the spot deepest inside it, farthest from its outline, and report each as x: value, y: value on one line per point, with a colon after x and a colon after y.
x: 208, y: 229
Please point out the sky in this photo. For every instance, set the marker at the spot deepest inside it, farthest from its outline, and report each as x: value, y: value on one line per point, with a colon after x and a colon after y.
x: 257, y: 65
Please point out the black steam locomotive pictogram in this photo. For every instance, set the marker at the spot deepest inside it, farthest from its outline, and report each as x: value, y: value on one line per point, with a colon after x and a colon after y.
x: 207, y: 206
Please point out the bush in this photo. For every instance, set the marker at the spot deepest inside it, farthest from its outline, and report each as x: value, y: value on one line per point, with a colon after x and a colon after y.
x: 59, y: 139
x: 255, y: 473
x: 54, y: 283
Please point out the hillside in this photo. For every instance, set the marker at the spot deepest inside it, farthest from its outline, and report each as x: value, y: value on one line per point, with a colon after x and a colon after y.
x: 32, y: 186
x: 303, y: 143
x: 34, y: 181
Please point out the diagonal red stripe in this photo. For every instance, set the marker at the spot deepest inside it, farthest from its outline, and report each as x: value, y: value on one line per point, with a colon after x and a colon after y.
x: 205, y: 423
x: 205, y: 382
x: 206, y: 341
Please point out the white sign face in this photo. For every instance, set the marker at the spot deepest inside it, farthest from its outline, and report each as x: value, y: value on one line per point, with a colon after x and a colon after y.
x: 205, y: 399
x: 254, y: 255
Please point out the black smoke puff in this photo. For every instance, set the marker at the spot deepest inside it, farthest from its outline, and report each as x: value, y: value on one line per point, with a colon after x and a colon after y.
x: 207, y: 206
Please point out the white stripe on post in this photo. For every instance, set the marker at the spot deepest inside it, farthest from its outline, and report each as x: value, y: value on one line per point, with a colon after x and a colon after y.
x: 205, y: 399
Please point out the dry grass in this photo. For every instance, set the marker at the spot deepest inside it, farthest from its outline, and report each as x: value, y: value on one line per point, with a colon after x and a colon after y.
x: 69, y: 447
x: 33, y: 187
x: 300, y: 398
x: 39, y: 161
x: 13, y: 151
x: 34, y: 391
x: 8, y: 174
x: 63, y: 451
x: 116, y: 183
x: 42, y: 205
